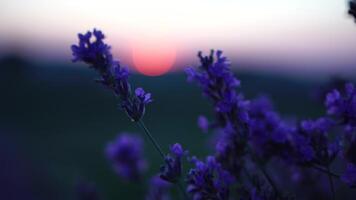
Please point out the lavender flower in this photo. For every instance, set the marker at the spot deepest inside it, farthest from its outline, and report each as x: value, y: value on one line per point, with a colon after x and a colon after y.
x: 219, y: 85
x: 208, y: 180
x: 342, y: 105
x: 126, y: 155
x: 268, y: 133
x: 230, y: 150
x: 349, y: 176
x: 98, y: 55
x: 311, y: 143
x: 158, y: 189
x: 172, y: 170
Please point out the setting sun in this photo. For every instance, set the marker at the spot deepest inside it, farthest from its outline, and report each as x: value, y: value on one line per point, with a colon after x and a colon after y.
x: 153, y: 58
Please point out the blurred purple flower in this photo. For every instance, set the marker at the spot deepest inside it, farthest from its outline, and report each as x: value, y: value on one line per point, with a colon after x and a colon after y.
x: 341, y: 104
x: 203, y: 123
x: 97, y: 54
x: 158, y: 189
x: 171, y: 171
x: 312, y: 145
x: 125, y: 154
x: 349, y: 176
x: 208, y: 180
x: 230, y: 149
x: 268, y: 133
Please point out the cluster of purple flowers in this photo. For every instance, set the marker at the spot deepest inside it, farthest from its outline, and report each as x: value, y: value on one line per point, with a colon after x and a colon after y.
x: 97, y: 54
x: 268, y: 133
x: 219, y: 85
x: 208, y: 180
x: 253, y: 134
x: 172, y: 170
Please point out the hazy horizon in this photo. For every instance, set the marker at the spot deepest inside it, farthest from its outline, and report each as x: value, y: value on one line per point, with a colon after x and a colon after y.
x: 291, y: 36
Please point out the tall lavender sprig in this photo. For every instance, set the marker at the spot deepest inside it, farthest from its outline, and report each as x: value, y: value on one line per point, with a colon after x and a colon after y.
x: 231, y: 110
x: 93, y: 51
x: 96, y: 53
x: 219, y: 85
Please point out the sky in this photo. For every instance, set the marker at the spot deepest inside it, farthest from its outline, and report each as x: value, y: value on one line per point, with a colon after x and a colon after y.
x: 294, y: 36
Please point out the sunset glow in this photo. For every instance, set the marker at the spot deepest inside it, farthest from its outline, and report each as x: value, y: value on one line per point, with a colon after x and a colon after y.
x: 152, y: 57
x: 291, y: 35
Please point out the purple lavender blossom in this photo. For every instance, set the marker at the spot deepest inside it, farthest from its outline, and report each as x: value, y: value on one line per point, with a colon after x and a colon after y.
x: 172, y: 170
x: 208, y: 180
x: 136, y: 107
x: 97, y: 55
x: 219, y: 85
x: 312, y: 145
x: 268, y: 133
x: 349, y: 176
x: 230, y: 150
x: 158, y: 189
x: 125, y: 154
x: 341, y: 104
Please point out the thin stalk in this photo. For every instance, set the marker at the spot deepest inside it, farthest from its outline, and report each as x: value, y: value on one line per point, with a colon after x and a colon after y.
x: 160, y: 151
x: 332, y: 187
x: 264, y: 172
x: 182, y: 191
x: 269, y: 179
x: 328, y: 172
x: 154, y: 142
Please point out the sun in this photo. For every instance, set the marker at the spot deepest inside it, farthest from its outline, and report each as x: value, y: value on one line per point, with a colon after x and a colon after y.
x: 153, y: 57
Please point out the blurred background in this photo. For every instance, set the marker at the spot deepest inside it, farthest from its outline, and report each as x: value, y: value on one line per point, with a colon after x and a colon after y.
x: 55, y: 121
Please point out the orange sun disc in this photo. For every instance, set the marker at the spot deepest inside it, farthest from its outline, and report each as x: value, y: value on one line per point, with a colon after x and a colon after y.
x: 153, y: 58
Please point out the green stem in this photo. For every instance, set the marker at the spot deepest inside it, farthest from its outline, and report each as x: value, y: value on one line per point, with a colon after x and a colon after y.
x: 160, y: 151
x: 332, y: 187
x: 263, y: 170
x: 269, y: 179
x: 328, y: 172
x: 154, y: 142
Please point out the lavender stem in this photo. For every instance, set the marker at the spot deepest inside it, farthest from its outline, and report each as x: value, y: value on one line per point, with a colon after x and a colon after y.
x: 332, y: 187
x: 154, y: 142
x: 142, y: 125
x: 328, y: 172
